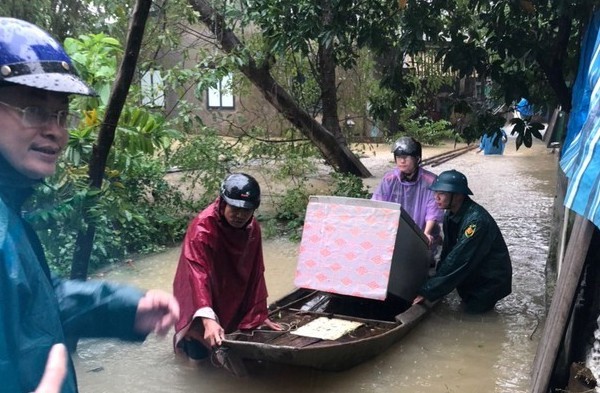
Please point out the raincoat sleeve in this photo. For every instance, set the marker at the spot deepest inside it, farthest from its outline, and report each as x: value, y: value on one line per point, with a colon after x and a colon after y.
x: 38, y: 310
x: 433, y: 212
x: 383, y: 190
x: 255, y: 316
x: 191, y: 285
x: 482, y: 142
x: 197, y: 258
x: 97, y: 309
x: 9, y: 371
x: 257, y: 312
x: 461, y: 260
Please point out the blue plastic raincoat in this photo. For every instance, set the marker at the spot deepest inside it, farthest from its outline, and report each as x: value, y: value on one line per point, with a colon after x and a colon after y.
x: 38, y: 310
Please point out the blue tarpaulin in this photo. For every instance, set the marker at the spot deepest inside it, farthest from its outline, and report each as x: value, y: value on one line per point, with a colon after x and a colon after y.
x: 581, y: 150
x: 524, y: 108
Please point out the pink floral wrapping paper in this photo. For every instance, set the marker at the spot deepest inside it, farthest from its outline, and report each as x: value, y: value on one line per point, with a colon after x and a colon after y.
x: 347, y: 249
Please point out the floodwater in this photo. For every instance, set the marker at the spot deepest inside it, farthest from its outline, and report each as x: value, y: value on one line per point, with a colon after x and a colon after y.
x: 448, y: 352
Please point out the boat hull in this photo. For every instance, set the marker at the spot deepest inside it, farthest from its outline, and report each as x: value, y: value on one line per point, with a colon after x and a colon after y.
x: 374, y: 336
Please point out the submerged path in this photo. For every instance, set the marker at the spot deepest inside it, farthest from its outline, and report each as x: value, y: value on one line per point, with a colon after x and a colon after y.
x: 448, y: 352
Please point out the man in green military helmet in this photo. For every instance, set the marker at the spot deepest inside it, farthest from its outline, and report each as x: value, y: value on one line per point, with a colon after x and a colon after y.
x: 474, y: 258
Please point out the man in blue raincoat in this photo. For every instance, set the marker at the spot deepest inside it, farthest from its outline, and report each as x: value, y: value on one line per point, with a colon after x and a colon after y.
x: 37, y: 310
x: 493, y: 143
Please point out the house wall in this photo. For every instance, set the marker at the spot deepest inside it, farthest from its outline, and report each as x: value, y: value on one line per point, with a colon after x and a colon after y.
x: 250, y: 109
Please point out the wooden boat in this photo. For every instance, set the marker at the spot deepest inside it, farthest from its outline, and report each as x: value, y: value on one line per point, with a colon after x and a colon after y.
x: 333, y: 322
x: 379, y: 325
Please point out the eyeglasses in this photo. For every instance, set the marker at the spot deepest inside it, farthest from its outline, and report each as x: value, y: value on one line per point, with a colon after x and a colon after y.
x: 36, y: 116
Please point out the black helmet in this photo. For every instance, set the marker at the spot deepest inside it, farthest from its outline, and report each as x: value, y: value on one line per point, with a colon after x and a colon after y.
x: 241, y: 190
x: 29, y: 56
x: 451, y: 181
x: 407, y: 146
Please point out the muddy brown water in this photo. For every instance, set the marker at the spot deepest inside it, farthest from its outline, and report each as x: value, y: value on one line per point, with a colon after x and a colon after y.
x: 448, y: 352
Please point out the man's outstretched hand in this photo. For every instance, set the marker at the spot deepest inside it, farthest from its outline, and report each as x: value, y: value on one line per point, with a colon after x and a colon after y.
x: 157, y: 312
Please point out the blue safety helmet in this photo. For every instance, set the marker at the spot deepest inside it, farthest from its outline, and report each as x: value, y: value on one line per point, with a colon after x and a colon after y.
x: 451, y: 181
x: 29, y: 56
x: 241, y: 190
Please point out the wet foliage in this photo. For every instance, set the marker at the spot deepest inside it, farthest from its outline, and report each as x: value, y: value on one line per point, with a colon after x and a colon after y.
x: 526, y: 131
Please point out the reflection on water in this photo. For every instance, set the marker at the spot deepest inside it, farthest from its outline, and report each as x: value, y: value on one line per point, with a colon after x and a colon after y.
x: 448, y: 352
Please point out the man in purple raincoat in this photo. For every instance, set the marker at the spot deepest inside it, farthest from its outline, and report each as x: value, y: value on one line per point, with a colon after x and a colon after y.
x: 408, y: 184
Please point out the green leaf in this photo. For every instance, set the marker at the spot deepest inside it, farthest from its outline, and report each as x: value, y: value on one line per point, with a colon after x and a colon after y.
x: 519, y: 141
x: 527, y: 139
x: 535, y: 129
x: 519, y: 127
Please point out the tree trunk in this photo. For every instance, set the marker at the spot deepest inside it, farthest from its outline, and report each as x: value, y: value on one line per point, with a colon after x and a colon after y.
x: 326, y: 61
x: 553, y: 63
x: 390, y: 63
x: 335, y: 153
x: 106, y: 136
x: 329, y: 93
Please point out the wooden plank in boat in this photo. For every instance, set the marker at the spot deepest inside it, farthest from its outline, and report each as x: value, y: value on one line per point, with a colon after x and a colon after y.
x: 291, y: 340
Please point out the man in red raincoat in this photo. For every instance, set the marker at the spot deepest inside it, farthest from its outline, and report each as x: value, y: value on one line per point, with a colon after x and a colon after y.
x: 219, y: 280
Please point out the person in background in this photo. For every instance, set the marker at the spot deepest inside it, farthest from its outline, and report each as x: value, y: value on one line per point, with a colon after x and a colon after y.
x: 523, y: 109
x: 493, y: 143
x: 37, y: 309
x: 219, y: 280
x: 474, y: 258
x: 408, y: 184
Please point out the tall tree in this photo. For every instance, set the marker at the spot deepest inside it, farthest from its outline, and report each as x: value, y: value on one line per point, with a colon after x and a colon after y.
x: 335, y: 151
x: 62, y: 18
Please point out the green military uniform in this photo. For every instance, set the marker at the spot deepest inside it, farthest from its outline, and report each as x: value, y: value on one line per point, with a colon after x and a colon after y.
x: 474, y: 260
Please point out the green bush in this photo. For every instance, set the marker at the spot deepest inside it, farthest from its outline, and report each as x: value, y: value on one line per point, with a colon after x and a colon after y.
x: 427, y: 131
x: 348, y: 185
x: 291, y: 209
